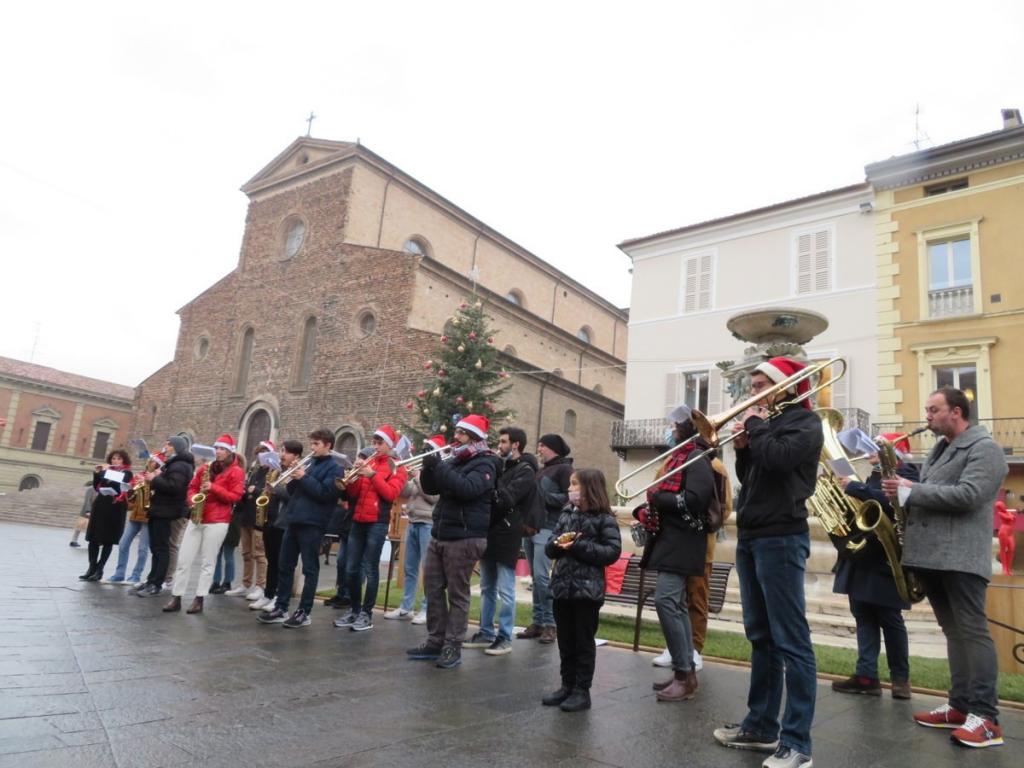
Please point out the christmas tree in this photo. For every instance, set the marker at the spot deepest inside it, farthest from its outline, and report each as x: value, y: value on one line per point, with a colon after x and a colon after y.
x: 463, y: 376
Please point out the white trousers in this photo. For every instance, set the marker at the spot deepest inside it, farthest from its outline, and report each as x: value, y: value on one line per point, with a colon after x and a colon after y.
x: 203, y: 540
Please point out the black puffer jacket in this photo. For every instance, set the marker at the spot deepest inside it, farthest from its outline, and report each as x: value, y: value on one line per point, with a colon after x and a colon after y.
x: 170, y: 487
x: 677, y: 547
x: 463, y: 510
x: 578, y: 572
x: 553, y: 486
x: 516, y: 503
x: 245, y: 509
x: 778, y: 470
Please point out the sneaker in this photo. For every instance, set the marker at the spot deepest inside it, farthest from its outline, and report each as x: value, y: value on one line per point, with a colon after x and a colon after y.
x: 262, y: 604
x: 347, y: 620
x: 338, y: 602
x: 941, y: 717
x: 398, y: 613
x: 733, y: 735
x: 479, y: 640
x: 362, y: 623
x: 298, y: 619
x: 220, y: 589
x: 239, y: 590
x: 273, y: 616
x: 424, y: 652
x: 500, y: 647
x: 787, y: 757
x: 664, y: 659
x: 978, y: 732
x: 74, y: 544
x: 256, y: 593
x: 451, y: 657
x: 868, y: 686
x: 112, y: 580
x: 420, y: 618
x: 698, y: 661
x: 148, y: 590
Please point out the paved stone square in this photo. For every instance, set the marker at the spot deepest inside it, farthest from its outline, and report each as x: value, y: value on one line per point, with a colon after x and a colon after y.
x: 92, y: 676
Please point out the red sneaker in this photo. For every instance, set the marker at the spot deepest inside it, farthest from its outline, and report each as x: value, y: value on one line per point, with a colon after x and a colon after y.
x: 941, y: 717
x: 978, y: 732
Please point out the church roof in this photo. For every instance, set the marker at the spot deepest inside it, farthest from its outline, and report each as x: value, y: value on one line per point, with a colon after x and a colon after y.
x: 42, y: 374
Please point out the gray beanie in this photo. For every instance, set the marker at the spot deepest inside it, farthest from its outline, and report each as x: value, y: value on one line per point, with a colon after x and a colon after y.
x: 179, y: 444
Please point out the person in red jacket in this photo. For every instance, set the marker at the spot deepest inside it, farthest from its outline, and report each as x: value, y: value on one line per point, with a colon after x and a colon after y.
x: 371, y: 494
x: 223, y: 482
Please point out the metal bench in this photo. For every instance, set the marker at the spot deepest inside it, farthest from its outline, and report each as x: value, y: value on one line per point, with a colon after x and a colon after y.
x: 638, y: 589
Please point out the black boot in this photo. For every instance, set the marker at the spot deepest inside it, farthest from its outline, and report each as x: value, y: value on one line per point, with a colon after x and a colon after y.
x: 555, y: 698
x: 214, y: 587
x: 577, y: 701
x: 96, y: 575
x: 87, y: 576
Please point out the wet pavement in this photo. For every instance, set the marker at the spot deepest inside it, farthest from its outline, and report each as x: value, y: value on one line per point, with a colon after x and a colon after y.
x: 91, y: 676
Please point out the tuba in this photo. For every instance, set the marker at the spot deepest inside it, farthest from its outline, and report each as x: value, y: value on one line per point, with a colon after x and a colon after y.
x: 890, y: 534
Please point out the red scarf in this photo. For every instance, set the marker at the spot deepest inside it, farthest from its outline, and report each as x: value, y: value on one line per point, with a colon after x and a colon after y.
x: 674, y: 483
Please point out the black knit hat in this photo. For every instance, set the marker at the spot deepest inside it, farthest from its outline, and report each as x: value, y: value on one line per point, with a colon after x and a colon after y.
x: 556, y: 444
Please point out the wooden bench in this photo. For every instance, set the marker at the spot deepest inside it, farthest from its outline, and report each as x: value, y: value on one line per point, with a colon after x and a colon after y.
x: 638, y: 589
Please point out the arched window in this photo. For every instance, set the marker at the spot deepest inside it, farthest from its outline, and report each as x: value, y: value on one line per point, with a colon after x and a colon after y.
x: 570, y: 422
x: 417, y: 246
x: 516, y: 297
x: 347, y: 440
x: 29, y: 483
x: 257, y: 429
x: 585, y: 334
x: 510, y: 350
x: 244, y: 359
x: 294, y: 237
x: 307, y: 348
x: 152, y: 420
x: 366, y: 323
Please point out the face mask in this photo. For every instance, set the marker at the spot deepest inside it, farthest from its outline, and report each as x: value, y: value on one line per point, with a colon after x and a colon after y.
x: 670, y: 437
x: 574, y: 498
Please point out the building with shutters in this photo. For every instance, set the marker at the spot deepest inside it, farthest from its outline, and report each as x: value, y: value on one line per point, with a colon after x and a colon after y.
x: 949, y: 228
x: 348, y: 272
x: 56, y: 426
x: 814, y: 253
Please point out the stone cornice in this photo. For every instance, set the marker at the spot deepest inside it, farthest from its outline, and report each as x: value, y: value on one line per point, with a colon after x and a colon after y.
x: 71, y: 393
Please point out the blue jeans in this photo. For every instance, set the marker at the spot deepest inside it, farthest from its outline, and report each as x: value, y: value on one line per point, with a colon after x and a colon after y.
x: 874, y: 621
x: 417, y: 536
x: 131, y: 530
x: 497, y: 580
x: 540, y: 569
x: 225, y: 565
x: 771, y: 573
x: 362, y: 561
x: 299, y: 541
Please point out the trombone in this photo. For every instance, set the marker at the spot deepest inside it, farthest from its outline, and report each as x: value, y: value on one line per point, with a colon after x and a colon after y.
x: 708, y: 426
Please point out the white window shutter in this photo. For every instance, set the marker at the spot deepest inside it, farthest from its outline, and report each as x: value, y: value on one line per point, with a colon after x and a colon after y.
x: 691, y: 287
x: 715, y: 391
x: 822, y: 260
x: 673, y: 397
x: 803, y: 264
x: 704, y: 283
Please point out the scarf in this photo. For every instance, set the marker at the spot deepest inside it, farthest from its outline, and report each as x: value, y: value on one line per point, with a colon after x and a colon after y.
x: 466, y: 452
x: 674, y: 483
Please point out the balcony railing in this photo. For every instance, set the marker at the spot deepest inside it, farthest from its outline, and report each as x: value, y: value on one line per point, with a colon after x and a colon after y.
x: 1008, y: 433
x: 949, y: 302
x: 650, y: 433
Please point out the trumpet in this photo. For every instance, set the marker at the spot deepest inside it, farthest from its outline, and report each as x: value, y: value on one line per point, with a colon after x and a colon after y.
x: 301, y: 464
x: 708, y: 426
x: 416, y: 462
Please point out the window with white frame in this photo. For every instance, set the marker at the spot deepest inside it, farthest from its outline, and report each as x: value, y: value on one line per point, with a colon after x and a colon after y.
x: 962, y: 377
x: 814, y: 261
x: 698, y: 274
x: 950, y: 283
x: 689, y: 387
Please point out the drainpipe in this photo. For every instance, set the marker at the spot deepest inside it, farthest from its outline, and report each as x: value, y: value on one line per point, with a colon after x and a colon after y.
x: 383, y: 207
x: 540, y: 402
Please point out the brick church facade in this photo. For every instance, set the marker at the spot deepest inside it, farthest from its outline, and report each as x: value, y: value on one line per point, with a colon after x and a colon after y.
x: 348, y: 271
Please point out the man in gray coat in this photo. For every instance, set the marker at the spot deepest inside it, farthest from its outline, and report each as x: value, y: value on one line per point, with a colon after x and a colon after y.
x: 948, y: 543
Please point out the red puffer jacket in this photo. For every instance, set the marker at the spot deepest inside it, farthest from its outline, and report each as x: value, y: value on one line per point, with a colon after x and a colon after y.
x: 226, y: 489
x: 374, y: 496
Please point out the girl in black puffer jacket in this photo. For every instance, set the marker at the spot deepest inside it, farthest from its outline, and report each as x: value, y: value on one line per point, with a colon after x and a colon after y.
x: 585, y: 541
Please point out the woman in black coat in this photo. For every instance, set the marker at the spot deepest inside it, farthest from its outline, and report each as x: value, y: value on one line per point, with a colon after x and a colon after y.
x: 586, y: 541
x: 112, y: 482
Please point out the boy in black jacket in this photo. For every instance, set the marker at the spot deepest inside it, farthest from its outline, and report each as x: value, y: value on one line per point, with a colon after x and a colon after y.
x: 169, y: 486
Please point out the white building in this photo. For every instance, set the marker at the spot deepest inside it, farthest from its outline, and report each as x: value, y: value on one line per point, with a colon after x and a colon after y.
x: 814, y: 253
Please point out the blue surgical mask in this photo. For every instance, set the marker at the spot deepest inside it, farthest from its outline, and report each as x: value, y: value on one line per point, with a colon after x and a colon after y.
x: 670, y: 437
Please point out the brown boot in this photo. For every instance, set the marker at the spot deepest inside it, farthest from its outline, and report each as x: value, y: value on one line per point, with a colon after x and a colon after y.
x: 682, y: 687
x: 548, y: 635
x: 530, y: 633
x: 663, y: 685
x: 174, y: 606
x: 196, y: 607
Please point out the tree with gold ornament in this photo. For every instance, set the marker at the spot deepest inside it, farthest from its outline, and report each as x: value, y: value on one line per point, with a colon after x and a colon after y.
x: 462, y: 376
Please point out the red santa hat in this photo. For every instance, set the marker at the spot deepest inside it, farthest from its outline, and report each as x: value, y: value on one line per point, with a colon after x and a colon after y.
x: 435, y: 441
x: 899, y: 442
x: 226, y: 442
x: 269, y: 445
x: 779, y: 369
x: 475, y: 425
x: 387, y: 434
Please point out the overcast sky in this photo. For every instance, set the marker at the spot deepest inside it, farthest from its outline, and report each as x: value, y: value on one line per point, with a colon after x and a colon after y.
x: 128, y: 129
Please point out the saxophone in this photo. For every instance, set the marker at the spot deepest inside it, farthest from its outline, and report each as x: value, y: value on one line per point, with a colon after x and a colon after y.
x: 199, y: 502
x: 263, y: 500
x: 890, y: 534
x: 139, y: 497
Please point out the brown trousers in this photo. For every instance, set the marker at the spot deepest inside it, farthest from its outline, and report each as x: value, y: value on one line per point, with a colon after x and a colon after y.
x: 254, y: 558
x: 697, y: 588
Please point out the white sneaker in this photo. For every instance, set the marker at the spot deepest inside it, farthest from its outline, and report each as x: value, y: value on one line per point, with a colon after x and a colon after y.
x: 420, y: 618
x: 238, y: 591
x: 398, y: 613
x: 256, y: 593
x: 698, y: 661
x: 263, y: 603
x: 664, y: 660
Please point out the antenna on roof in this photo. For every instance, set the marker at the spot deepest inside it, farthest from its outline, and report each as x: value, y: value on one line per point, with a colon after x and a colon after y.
x: 919, y: 135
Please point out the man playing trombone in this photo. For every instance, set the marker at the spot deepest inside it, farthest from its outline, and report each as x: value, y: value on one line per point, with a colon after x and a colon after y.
x: 778, y: 441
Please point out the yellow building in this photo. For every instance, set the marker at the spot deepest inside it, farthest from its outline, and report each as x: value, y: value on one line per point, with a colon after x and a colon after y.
x: 949, y: 237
